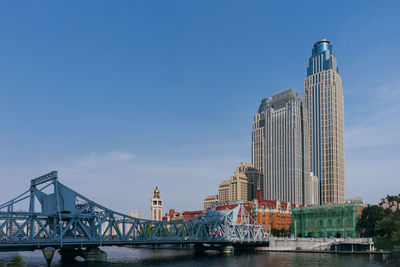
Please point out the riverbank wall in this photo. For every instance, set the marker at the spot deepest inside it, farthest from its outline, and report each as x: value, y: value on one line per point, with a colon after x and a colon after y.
x: 353, y: 245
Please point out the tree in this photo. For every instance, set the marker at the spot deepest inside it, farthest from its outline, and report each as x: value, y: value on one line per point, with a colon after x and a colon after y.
x: 393, y: 198
x: 396, y: 241
x: 386, y: 227
x: 280, y: 232
x: 383, y: 225
x: 369, y: 217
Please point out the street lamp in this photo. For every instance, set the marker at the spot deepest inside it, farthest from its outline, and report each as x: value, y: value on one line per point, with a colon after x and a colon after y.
x: 48, y: 254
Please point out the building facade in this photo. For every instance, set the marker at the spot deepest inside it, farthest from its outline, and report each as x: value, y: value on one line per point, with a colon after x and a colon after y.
x: 390, y: 202
x: 323, y: 95
x: 272, y: 214
x: 254, y: 177
x: 237, y: 188
x: 314, y: 189
x: 339, y: 220
x: 209, y: 201
x: 286, y: 149
x: 173, y: 215
x: 359, y: 200
x: 156, y: 206
x: 258, y: 137
x: 242, y: 185
x: 135, y: 213
x: 224, y: 191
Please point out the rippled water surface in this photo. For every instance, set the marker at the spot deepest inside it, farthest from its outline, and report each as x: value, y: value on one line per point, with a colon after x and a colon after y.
x: 123, y: 256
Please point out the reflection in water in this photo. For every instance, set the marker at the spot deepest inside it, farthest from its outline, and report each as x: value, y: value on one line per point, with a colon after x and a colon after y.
x: 124, y: 256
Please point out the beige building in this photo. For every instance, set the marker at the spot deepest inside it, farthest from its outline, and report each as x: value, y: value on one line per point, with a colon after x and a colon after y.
x: 224, y: 191
x: 390, y: 202
x: 254, y: 176
x: 258, y: 136
x: 156, y: 206
x: 242, y: 185
x: 358, y: 200
x: 136, y: 214
x: 209, y: 201
x: 239, y: 187
x: 286, y: 148
x: 323, y: 95
x: 110, y: 231
x: 314, y: 189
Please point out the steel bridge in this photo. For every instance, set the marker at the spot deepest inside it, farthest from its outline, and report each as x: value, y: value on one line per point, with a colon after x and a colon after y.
x: 69, y: 221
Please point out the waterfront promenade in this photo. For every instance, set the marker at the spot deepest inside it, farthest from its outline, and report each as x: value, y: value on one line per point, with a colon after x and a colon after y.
x: 320, y: 244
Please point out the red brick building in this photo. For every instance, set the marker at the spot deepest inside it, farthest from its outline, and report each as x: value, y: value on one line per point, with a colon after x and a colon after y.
x: 272, y: 214
x: 173, y: 215
x: 188, y: 215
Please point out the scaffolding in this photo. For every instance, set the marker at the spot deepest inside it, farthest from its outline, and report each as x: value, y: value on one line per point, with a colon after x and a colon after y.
x: 338, y: 220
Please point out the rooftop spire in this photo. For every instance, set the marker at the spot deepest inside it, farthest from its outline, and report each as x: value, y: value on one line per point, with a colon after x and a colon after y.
x: 156, y: 193
x: 322, y: 41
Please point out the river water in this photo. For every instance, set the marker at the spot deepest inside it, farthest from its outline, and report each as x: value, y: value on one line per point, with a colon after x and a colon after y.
x: 124, y: 256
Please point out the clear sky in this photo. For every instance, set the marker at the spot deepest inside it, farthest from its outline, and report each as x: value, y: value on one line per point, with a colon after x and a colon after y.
x: 121, y: 96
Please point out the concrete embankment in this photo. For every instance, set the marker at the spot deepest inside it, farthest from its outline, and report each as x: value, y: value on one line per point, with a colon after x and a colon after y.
x: 329, y: 245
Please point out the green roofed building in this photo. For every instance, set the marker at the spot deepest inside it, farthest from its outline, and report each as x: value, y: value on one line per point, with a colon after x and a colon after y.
x: 338, y: 220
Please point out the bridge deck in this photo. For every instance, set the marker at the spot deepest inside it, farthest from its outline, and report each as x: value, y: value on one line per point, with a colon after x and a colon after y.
x: 30, y: 246
x: 69, y: 219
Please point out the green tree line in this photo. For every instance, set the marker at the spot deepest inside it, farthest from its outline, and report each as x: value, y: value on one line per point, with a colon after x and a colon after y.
x: 383, y: 225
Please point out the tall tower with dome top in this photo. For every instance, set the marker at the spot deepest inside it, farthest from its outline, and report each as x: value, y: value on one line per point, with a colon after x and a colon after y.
x: 323, y: 95
x: 156, y: 206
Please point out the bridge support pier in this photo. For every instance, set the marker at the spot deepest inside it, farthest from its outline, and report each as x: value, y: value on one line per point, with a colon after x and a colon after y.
x: 90, y: 254
x: 94, y: 254
x: 224, y: 249
x: 228, y: 249
x: 199, y: 248
x: 68, y: 255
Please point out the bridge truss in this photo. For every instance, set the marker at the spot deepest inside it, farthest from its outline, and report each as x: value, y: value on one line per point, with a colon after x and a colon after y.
x: 68, y: 219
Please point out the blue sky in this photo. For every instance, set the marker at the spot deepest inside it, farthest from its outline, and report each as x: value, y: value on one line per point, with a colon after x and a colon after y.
x: 121, y: 96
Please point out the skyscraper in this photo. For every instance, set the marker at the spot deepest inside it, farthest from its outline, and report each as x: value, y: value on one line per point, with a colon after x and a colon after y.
x: 323, y: 95
x: 280, y: 142
x: 258, y: 136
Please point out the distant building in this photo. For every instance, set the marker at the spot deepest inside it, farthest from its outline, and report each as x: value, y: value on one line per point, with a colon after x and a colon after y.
x: 242, y: 185
x: 339, y: 220
x: 224, y: 191
x: 12, y: 229
x: 258, y: 137
x: 239, y: 187
x: 173, y: 215
x: 209, y: 200
x: 109, y: 229
x: 390, y: 202
x: 188, y: 215
x: 358, y: 200
x: 156, y: 206
x: 136, y: 214
x: 314, y: 190
x: 255, y: 179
